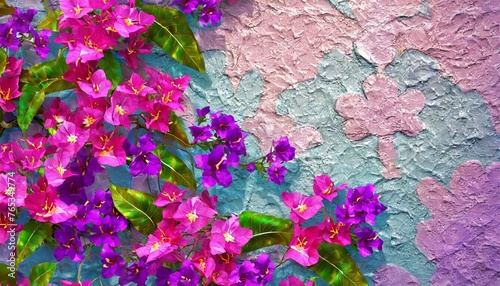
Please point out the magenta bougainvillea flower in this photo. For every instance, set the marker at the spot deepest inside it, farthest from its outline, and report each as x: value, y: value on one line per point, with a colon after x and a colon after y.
x: 303, y: 247
x: 56, y: 114
x: 98, y: 86
x: 122, y: 105
x: 382, y: 114
x: 158, y: 118
x: 323, y: 186
x: 12, y: 186
x: 56, y: 170
x: 130, y: 20
x: 294, y: 281
x: 81, y: 283
x: 170, y: 193
x: 228, y: 236
x: 108, y: 148
x: 134, y: 46
x: 8, y: 91
x: 46, y: 206
x: 302, y: 207
x: 155, y: 248
x: 69, y: 138
x: 367, y: 241
x: 75, y: 8
x: 336, y: 233
x: 194, y: 214
x: 135, y: 86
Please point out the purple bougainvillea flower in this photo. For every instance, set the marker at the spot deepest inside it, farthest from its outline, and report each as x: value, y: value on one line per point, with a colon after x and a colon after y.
x: 200, y: 133
x: 222, y: 123
x: 107, y: 148
x: 302, y: 207
x: 228, y: 236
x: 361, y: 205
x: 8, y: 91
x: 8, y: 37
x: 81, y: 164
x: 235, y: 141
x: 41, y: 42
x: 75, y: 8
x: 209, y: 13
x: 367, y: 240
x: 98, y: 86
x: 170, y: 193
x: 186, y: 6
x: 250, y: 167
x: 84, y: 217
x: 347, y: 214
x: 203, y: 111
x: 294, y: 281
x: 102, y: 201
x: 72, y: 190
x: 194, y: 214
x: 69, y: 244
x: 69, y: 138
x: 276, y: 173
x: 21, y: 21
x: 106, y: 231
x: 214, y: 166
x: 145, y: 162
x: 337, y: 233
x: 136, y: 272
x: 323, y: 186
x: 186, y: 276
x: 45, y: 206
x: 283, y: 151
x: 303, y: 247
x: 55, y: 168
x: 244, y: 274
x: 265, y: 267
x: 112, y: 262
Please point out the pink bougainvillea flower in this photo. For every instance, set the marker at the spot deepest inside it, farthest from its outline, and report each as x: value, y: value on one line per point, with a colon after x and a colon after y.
x: 158, y: 118
x: 69, y: 138
x: 204, y: 263
x: 155, y: 248
x: 81, y: 283
x: 29, y: 159
x: 170, y: 193
x: 12, y: 186
x: 84, y: 100
x: 8, y: 91
x: 88, y: 118
x: 80, y: 72
x: 46, y: 206
x: 302, y: 207
x: 324, y: 187
x: 135, y: 45
x: 57, y: 113
x: 75, y: 8
x: 135, y: 86
x: 98, y: 85
x: 294, y: 281
x: 13, y: 67
x: 194, y: 214
x: 108, y: 148
x: 55, y: 168
x: 102, y: 4
x: 303, y: 247
x: 130, y: 20
x: 122, y: 105
x: 228, y: 236
x: 337, y: 233
x: 171, y: 90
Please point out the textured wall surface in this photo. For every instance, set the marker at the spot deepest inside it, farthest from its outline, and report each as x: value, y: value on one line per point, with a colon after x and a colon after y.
x: 402, y: 94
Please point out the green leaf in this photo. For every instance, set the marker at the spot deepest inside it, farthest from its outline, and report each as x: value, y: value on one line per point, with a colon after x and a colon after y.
x: 7, y: 277
x: 30, y: 101
x: 50, y: 22
x: 31, y: 238
x: 337, y: 267
x: 137, y: 207
x: 174, y: 169
x: 112, y: 68
x: 267, y: 230
x: 5, y: 9
x: 46, y: 72
x: 41, y: 273
x: 3, y: 60
x: 176, y: 130
x: 172, y: 33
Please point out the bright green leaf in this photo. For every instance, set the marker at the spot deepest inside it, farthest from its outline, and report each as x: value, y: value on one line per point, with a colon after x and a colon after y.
x: 174, y: 169
x: 7, y: 276
x: 172, y: 33
x: 5, y: 9
x: 176, y: 130
x: 337, y: 267
x: 3, y: 60
x: 44, y: 73
x: 267, y: 230
x: 31, y: 238
x: 41, y: 273
x: 50, y: 22
x: 112, y: 68
x: 30, y: 101
x: 137, y: 207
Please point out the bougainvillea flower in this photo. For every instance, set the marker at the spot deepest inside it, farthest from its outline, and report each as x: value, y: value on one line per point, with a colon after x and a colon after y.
x: 209, y: 13
x: 158, y: 118
x: 170, y: 90
x: 12, y: 185
x: 155, y: 249
x: 136, y: 272
x: 302, y: 207
x: 102, y: 4
x: 13, y: 67
x: 265, y: 267
x: 235, y: 141
x: 75, y: 8
x: 108, y: 149
x: 203, y: 112
x: 204, y: 263
x: 55, y: 168
x: 130, y: 20
x: 85, y: 165
x: 69, y: 138
x: 135, y: 45
x: 86, y: 43
x: 8, y: 37
x: 41, y: 43
x: 186, y: 6
x: 72, y: 190
x: 21, y: 21
x: 81, y: 283
x: 102, y: 201
x: 88, y: 118
x: 194, y: 214
x: 346, y: 213
x: 228, y: 236
x: 367, y: 240
x: 222, y: 123
x: 135, y: 86
x: 276, y: 173
x: 28, y: 159
x: 244, y: 274
x: 337, y: 233
x: 365, y: 201
x: 57, y: 113
x: 186, y: 276
x: 170, y: 193
x: 294, y: 281
x: 45, y: 206
x: 112, y: 262
x: 80, y: 72
x: 323, y: 186
x: 214, y: 166
x: 85, y: 216
x: 8, y: 91
x: 69, y: 244
x: 98, y: 86
x: 303, y: 247
x: 144, y: 162
x: 200, y: 133
x: 106, y: 231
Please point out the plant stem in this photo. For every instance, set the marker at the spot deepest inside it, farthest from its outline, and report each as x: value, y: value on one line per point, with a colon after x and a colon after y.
x: 81, y: 264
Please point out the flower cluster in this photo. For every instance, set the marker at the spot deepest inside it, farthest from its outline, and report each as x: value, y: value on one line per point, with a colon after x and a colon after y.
x: 206, y: 11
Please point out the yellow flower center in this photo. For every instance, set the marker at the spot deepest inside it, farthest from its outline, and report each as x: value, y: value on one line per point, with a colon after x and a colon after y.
x: 192, y: 216
x: 228, y: 237
x: 72, y: 138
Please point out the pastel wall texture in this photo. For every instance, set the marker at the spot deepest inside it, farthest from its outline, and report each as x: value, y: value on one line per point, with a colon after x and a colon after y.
x: 402, y: 94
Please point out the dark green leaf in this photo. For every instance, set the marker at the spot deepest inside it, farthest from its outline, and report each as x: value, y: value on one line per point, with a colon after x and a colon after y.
x: 3, y: 60
x: 50, y: 22
x: 7, y: 276
x: 31, y: 238
x: 267, y: 230
x: 137, y: 207
x: 5, y: 9
x: 30, y: 101
x: 112, y: 68
x: 172, y: 33
x: 176, y: 130
x: 58, y: 85
x: 173, y: 169
x: 337, y: 267
x: 41, y: 273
